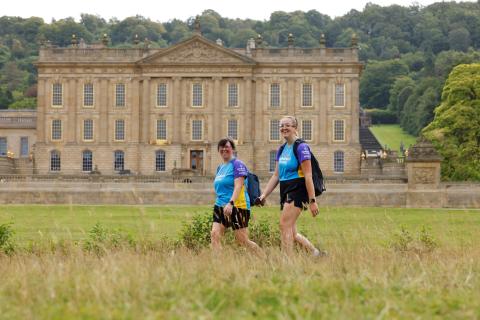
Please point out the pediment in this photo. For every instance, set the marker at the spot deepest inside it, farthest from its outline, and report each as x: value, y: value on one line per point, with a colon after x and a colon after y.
x: 197, y: 50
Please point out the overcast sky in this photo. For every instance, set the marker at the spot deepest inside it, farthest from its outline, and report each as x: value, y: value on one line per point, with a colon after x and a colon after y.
x: 163, y: 11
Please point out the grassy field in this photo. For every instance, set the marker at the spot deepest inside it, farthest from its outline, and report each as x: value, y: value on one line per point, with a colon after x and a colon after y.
x: 383, y: 263
x: 392, y: 135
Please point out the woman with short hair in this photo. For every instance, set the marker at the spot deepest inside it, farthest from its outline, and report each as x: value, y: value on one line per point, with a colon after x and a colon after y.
x: 296, y: 186
x: 232, y: 204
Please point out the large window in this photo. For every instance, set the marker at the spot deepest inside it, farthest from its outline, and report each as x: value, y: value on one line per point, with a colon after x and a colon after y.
x: 307, y: 130
x: 56, y: 129
x: 162, y: 95
x: 197, y: 95
x: 339, y: 130
x: 159, y: 160
x: 161, y: 129
x: 338, y: 162
x: 88, y: 95
x: 274, y: 130
x: 55, y: 163
x: 3, y: 147
x: 272, y: 162
x: 87, y: 160
x: 339, y: 95
x: 119, y: 161
x: 275, y: 95
x: 197, y: 130
x: 88, y: 130
x: 232, y: 130
x: 307, y: 95
x: 120, y: 95
x: 57, y: 95
x: 233, y: 95
x: 24, y: 147
x: 119, y: 130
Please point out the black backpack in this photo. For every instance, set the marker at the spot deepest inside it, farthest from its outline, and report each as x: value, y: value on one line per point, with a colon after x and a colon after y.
x: 317, y: 175
x: 253, y: 187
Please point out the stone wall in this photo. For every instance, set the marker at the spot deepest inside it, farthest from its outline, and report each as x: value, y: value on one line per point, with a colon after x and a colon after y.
x: 389, y: 194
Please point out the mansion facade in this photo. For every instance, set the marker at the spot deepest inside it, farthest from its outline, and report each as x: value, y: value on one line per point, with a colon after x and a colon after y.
x: 150, y: 111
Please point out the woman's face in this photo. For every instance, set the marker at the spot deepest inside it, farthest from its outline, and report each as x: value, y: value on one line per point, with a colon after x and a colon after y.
x: 287, y: 128
x: 226, y: 152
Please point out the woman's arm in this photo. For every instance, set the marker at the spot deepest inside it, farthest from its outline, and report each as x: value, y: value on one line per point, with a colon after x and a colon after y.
x: 237, y: 187
x: 307, y: 173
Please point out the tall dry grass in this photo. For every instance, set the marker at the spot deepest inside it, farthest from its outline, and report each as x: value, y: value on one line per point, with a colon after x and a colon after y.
x: 356, y: 282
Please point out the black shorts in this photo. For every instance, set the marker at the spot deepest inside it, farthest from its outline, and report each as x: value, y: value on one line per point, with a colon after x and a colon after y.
x: 294, y: 191
x: 238, y: 219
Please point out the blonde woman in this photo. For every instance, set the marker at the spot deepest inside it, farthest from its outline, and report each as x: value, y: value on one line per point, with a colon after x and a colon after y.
x: 296, y: 186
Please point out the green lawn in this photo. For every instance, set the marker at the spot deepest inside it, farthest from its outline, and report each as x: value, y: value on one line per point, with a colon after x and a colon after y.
x: 374, y: 269
x: 392, y: 135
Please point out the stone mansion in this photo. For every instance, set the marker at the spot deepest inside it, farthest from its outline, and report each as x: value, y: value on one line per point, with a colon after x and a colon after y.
x: 150, y: 111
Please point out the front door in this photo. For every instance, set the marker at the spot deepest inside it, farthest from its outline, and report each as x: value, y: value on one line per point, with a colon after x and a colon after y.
x: 196, y: 160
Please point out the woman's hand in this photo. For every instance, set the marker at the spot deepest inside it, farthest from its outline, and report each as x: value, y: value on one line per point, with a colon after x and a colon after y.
x: 227, y: 210
x: 260, y: 201
x: 314, y: 209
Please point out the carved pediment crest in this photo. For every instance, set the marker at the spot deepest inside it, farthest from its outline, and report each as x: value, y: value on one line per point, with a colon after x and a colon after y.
x: 197, y: 50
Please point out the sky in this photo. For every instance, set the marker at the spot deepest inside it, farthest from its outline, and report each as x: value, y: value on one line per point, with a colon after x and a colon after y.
x: 163, y: 11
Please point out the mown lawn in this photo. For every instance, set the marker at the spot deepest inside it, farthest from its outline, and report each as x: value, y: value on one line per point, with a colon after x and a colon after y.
x: 392, y: 136
x: 383, y: 263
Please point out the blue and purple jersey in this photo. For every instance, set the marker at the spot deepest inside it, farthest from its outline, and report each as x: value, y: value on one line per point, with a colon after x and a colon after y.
x: 288, y: 166
x: 224, y: 184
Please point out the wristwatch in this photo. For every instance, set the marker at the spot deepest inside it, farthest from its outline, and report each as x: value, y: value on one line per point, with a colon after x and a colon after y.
x: 313, y: 200
x: 231, y: 202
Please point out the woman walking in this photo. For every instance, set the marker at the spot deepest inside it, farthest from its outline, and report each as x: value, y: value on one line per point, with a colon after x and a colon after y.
x: 294, y: 172
x: 232, y: 204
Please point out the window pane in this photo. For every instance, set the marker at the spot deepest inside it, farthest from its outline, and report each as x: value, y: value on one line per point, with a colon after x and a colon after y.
x: 162, y: 95
x: 55, y: 161
x: 233, y: 95
x: 197, y: 95
x: 57, y: 99
x: 3, y: 146
x: 232, y: 130
x: 119, y: 130
x: 23, y: 147
x: 87, y: 158
x: 339, y: 130
x: 88, y: 95
x: 273, y: 155
x: 162, y: 129
x: 197, y: 132
x: 307, y: 95
x: 339, y: 95
x: 307, y: 130
x: 118, y: 164
x: 120, y: 95
x: 274, y: 131
x: 88, y: 129
x: 56, y: 129
x: 338, y: 161
x: 275, y: 95
x: 160, y: 160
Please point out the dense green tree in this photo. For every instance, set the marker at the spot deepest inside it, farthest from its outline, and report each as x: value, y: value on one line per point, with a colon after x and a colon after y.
x: 377, y: 80
x: 455, y: 130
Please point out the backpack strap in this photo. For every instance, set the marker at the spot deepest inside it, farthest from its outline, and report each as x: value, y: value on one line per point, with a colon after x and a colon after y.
x: 295, y: 148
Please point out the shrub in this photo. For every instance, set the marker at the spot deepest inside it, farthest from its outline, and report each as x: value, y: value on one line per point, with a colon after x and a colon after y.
x: 382, y: 116
x: 101, y: 239
x: 6, y: 241
x: 403, y: 241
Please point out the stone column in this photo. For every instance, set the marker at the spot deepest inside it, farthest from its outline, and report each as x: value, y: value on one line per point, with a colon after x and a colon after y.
x: 144, y: 113
x: 104, y: 104
x: 70, y: 127
x: 176, y: 103
x: 41, y: 109
x: 323, y: 110
x: 137, y: 99
x: 290, y: 94
x: 217, y: 108
x: 355, y: 110
x: 423, y: 172
x: 247, y: 133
